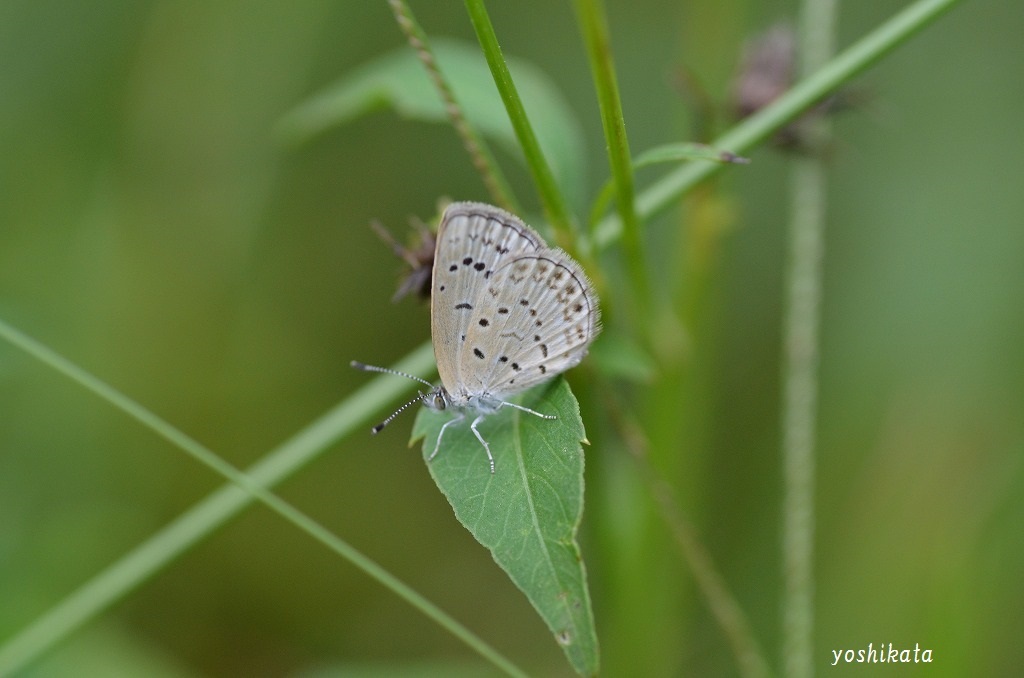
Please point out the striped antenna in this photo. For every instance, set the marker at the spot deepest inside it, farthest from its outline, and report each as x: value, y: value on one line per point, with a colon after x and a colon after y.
x: 386, y: 370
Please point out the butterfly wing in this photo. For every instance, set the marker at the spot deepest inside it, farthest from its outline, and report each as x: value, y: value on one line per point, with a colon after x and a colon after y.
x: 534, y: 319
x: 473, y: 241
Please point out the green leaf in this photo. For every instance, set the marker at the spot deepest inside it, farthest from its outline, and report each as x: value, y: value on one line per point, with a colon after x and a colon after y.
x: 398, y: 80
x: 526, y: 513
x: 679, y: 152
x: 673, y: 152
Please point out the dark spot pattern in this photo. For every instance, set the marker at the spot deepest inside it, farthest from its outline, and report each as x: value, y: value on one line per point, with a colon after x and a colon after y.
x: 478, y: 353
x: 484, y: 322
x: 463, y: 305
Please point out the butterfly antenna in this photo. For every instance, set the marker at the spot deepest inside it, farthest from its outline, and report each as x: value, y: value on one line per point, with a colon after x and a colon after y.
x: 376, y: 429
x: 387, y: 370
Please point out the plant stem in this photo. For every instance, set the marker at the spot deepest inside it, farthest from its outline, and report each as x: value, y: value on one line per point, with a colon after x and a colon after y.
x: 479, y: 154
x: 594, y: 25
x: 800, y: 356
x: 551, y: 196
x: 720, y: 600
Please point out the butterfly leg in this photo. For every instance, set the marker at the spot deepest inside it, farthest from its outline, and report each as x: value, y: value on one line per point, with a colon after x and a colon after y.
x: 487, y: 448
x: 440, y: 434
x: 527, y: 409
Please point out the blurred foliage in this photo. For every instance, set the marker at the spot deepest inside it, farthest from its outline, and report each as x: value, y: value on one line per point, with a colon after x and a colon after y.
x: 152, y: 230
x: 398, y: 80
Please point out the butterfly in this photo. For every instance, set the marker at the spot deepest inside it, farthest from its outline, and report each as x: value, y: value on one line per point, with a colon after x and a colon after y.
x: 507, y: 312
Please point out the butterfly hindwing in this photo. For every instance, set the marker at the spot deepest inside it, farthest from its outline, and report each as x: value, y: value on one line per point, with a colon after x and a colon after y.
x: 536, y: 319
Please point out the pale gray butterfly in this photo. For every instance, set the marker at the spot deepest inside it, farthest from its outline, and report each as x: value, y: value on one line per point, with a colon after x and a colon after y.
x: 507, y: 312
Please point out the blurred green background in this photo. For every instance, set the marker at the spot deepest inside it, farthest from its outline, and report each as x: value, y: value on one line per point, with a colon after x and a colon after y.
x: 153, y: 231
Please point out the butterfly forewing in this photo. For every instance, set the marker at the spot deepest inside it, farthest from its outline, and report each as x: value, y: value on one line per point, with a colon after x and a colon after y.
x: 473, y: 241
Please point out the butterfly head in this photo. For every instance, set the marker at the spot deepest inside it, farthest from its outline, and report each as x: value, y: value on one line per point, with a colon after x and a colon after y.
x: 436, y: 399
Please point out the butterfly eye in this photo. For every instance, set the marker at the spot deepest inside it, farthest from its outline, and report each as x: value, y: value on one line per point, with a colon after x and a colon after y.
x: 439, y: 403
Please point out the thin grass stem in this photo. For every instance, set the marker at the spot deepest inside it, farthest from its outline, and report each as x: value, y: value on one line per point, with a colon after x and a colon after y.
x: 479, y: 153
x: 801, y: 353
x: 164, y: 546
